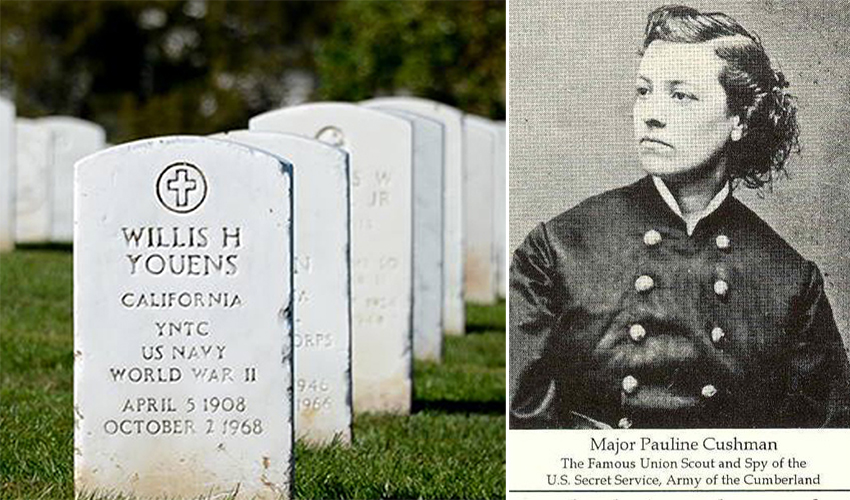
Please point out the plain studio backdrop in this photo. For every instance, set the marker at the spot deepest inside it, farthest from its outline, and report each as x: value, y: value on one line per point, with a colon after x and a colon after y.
x: 572, y: 85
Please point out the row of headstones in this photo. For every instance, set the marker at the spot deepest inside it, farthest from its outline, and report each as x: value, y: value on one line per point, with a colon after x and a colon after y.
x: 36, y: 171
x: 36, y: 194
x: 229, y: 289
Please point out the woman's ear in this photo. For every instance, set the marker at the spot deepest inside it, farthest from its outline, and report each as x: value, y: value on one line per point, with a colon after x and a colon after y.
x: 738, y: 129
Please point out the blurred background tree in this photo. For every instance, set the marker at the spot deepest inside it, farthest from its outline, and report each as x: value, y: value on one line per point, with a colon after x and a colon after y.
x: 145, y: 68
x: 453, y: 52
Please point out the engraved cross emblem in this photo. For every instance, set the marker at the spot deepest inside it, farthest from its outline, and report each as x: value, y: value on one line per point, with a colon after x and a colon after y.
x: 181, y: 184
x: 181, y: 187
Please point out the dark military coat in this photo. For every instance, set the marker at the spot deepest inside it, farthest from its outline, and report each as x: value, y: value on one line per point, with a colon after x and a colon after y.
x: 620, y: 319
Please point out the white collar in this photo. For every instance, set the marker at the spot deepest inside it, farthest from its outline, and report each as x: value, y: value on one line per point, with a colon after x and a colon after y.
x: 693, y: 219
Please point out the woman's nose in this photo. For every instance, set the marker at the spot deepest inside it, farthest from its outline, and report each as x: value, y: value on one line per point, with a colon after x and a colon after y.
x: 654, y: 123
x: 650, y: 113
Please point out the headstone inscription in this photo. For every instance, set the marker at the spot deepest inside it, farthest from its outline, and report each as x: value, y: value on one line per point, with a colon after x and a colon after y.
x: 34, y: 168
x: 322, y: 282
x: 500, y: 197
x: 380, y: 149
x: 427, y: 234
x: 182, y: 320
x: 7, y: 175
x: 454, y: 316
x: 73, y: 139
x: 480, y: 148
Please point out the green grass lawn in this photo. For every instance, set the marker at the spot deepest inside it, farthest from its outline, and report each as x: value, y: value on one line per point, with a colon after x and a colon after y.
x: 452, y: 446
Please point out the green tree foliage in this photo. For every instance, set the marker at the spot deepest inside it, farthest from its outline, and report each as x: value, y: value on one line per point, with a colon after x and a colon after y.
x: 144, y: 68
x: 453, y: 52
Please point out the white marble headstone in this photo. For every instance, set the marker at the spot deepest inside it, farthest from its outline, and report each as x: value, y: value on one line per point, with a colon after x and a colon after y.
x: 500, y: 198
x: 454, y: 315
x: 322, y: 282
x: 182, y: 321
x: 34, y: 181
x: 73, y: 139
x: 380, y: 146
x: 480, y: 148
x: 7, y: 175
x: 427, y: 234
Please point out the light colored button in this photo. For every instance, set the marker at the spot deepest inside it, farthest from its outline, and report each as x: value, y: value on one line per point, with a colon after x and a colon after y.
x: 717, y: 334
x: 709, y: 391
x: 624, y: 423
x: 722, y: 242
x: 651, y: 238
x: 630, y: 384
x: 721, y: 288
x: 637, y: 332
x: 644, y: 283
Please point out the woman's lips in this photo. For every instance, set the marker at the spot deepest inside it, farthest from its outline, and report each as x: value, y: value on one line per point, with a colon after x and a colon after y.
x: 651, y: 142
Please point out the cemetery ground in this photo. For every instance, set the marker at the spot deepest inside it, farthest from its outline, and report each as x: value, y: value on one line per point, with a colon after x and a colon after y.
x: 452, y: 446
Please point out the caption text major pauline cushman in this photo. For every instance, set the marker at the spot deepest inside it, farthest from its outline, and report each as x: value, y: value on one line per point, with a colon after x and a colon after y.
x: 710, y: 443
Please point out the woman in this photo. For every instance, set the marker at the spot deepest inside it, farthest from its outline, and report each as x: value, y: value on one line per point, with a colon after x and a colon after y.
x: 668, y: 303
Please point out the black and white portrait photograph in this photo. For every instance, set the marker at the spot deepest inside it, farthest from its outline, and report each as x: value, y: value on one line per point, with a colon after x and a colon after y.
x: 679, y: 199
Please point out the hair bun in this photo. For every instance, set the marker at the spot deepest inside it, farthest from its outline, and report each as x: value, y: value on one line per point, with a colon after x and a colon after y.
x: 781, y: 82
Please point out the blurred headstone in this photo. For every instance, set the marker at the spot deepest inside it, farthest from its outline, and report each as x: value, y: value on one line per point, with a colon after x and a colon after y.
x: 454, y: 316
x: 322, y: 282
x: 182, y: 321
x: 33, y: 156
x: 380, y: 148
x: 7, y: 175
x: 500, y: 197
x: 480, y: 148
x: 72, y: 139
x: 427, y: 234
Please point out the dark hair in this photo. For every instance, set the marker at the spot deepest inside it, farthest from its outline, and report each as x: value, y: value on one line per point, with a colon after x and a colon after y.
x: 754, y: 90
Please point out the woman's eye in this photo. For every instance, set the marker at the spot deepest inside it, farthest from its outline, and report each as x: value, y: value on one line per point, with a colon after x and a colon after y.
x: 682, y: 96
x: 642, y: 91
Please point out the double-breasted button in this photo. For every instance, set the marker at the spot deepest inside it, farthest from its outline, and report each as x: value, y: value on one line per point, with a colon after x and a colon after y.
x: 651, y: 238
x: 722, y: 242
x: 717, y: 334
x: 624, y: 423
x: 637, y: 332
x: 721, y: 288
x: 644, y: 283
x: 709, y: 391
x: 630, y: 384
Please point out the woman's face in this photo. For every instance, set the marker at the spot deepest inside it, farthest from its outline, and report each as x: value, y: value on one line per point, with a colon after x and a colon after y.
x: 680, y: 115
